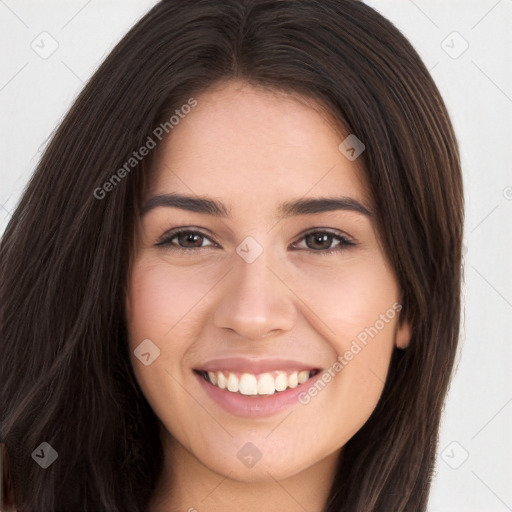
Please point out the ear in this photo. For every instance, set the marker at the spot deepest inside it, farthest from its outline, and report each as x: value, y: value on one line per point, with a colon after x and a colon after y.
x: 403, y: 334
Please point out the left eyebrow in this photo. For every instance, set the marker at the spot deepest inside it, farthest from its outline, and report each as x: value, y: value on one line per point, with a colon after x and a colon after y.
x: 321, y: 204
x: 287, y: 209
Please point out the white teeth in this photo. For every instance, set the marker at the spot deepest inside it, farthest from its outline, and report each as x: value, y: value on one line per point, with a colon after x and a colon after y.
x: 221, y: 380
x: 248, y: 384
x: 266, y: 385
x: 261, y: 384
x: 232, y: 383
x: 281, y: 381
x: 303, y: 376
x: 293, y: 380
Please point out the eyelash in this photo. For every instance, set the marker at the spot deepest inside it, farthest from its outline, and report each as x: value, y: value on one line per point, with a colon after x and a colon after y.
x: 166, y: 241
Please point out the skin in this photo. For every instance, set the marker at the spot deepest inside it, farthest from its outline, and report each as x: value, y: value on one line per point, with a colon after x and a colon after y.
x: 252, y: 149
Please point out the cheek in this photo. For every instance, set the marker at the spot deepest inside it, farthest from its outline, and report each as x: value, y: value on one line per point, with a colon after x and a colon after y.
x: 165, y: 304
x: 160, y: 306
x: 161, y: 301
x: 348, y: 297
x: 356, y: 308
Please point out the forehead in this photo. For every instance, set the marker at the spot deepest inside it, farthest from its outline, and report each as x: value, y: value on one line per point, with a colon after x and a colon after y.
x: 256, y: 147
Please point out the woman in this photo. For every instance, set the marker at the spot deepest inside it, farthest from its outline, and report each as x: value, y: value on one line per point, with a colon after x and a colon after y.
x: 233, y: 281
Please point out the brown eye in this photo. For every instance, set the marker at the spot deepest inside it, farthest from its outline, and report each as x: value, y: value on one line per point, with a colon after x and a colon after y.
x: 185, y: 240
x: 194, y: 239
x: 319, y: 240
x: 322, y: 241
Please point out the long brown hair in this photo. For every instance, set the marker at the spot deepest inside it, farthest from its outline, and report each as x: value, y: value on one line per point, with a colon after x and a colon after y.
x: 65, y: 255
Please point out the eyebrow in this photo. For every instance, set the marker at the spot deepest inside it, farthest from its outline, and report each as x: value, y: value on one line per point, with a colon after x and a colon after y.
x: 215, y: 208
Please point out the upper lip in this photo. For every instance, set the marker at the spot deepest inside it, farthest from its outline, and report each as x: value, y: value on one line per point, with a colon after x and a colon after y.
x: 242, y: 364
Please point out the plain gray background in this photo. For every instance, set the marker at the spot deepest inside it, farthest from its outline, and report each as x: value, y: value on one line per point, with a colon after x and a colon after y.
x: 50, y: 48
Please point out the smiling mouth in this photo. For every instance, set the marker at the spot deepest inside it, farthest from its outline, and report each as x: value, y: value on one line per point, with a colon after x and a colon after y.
x: 251, y: 384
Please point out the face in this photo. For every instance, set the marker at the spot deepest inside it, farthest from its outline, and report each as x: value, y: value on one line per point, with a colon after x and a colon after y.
x: 258, y: 330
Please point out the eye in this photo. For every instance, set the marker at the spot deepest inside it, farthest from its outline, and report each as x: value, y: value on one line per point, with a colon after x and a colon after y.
x: 320, y: 241
x: 187, y: 240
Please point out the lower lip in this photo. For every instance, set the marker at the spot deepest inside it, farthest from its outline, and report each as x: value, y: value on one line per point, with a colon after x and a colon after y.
x: 255, y: 406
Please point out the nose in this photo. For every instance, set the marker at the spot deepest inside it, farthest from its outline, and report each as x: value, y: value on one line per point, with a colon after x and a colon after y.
x: 255, y: 300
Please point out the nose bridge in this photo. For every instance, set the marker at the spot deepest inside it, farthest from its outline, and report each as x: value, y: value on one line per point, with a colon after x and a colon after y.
x: 254, y: 301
